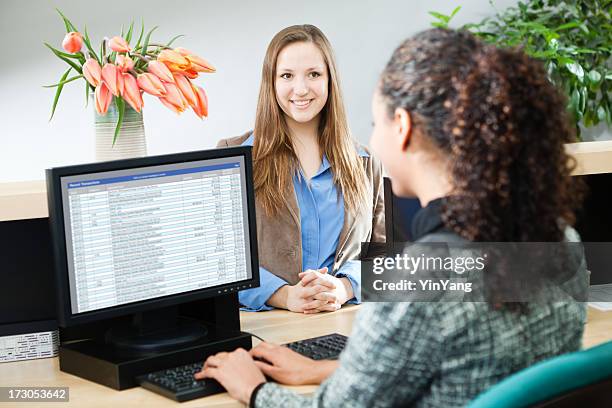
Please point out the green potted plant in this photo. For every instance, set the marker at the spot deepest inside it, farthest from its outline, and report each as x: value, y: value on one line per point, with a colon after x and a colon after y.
x: 572, y: 38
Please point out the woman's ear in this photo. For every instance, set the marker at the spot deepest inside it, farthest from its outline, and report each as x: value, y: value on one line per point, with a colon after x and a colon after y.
x: 403, y: 125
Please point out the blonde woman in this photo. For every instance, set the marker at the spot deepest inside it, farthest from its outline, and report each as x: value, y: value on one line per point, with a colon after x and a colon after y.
x: 319, y: 194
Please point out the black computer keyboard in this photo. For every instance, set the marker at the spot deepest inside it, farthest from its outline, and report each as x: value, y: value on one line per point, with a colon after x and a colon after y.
x: 177, y: 383
x: 326, y: 347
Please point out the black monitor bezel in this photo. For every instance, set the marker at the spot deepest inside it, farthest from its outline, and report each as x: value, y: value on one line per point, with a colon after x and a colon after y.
x: 56, y: 217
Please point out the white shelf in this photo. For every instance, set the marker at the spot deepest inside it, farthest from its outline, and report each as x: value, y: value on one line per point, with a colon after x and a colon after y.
x: 28, y: 199
x: 591, y: 157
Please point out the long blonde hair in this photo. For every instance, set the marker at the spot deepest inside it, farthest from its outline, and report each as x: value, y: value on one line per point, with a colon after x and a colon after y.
x: 274, y: 158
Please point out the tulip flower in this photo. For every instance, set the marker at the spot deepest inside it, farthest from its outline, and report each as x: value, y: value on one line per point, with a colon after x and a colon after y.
x: 190, y: 73
x: 92, y: 72
x: 173, y: 60
x: 174, y: 98
x: 110, y: 74
x: 120, y: 83
x: 131, y: 92
x: 196, y: 63
x: 151, y: 84
x: 119, y: 44
x: 124, y: 63
x: 186, y: 89
x: 170, y: 106
x: 73, y: 42
x: 160, y: 70
x: 201, y: 107
x: 103, y: 98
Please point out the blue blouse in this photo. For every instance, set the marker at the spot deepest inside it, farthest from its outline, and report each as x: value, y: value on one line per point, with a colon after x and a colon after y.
x: 321, y: 220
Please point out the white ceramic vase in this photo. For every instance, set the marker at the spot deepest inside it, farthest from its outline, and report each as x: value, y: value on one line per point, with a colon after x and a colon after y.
x: 130, y: 141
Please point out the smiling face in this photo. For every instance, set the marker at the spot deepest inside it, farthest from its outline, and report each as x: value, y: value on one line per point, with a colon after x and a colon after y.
x: 301, y: 81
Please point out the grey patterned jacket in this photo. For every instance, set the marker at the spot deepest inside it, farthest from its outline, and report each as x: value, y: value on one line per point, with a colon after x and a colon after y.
x: 437, y: 354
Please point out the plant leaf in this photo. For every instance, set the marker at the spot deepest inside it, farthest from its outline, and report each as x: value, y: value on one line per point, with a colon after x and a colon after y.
x: 128, y: 36
x: 87, y: 42
x: 572, y: 24
x: 455, y: 11
x: 74, y: 66
x: 440, y: 16
x: 146, y: 41
x: 576, y: 69
x: 63, y: 54
x: 58, y: 92
x: 120, y: 109
x: 594, y: 76
x: 140, y: 36
x: 601, y: 113
x: 69, y: 26
x: 174, y: 39
x: 583, y: 98
x: 64, y: 81
x: 87, y: 89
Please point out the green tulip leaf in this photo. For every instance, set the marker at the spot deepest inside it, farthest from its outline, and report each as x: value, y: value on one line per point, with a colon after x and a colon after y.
x: 140, y: 36
x: 120, y: 109
x: 64, y: 54
x: 58, y: 92
x: 128, y: 36
x: 67, y: 60
x: 174, y: 39
x: 145, y: 45
x: 69, y: 26
x: 87, y: 42
x: 64, y: 81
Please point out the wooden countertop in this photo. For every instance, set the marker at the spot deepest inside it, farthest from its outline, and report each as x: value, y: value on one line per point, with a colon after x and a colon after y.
x: 276, y: 326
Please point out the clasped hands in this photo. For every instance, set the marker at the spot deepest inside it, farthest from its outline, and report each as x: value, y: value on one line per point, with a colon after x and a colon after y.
x: 317, y: 291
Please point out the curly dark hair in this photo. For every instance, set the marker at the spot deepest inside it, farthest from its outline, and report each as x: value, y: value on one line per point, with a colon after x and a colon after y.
x: 502, y: 125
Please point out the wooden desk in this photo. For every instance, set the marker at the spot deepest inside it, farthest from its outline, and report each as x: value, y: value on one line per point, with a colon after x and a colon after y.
x: 275, y: 326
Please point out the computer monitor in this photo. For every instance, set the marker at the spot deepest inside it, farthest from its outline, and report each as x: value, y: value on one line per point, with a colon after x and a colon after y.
x: 594, y: 224
x: 144, y: 234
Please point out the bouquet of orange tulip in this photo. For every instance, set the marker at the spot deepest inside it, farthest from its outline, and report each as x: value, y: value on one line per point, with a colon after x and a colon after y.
x: 125, y: 72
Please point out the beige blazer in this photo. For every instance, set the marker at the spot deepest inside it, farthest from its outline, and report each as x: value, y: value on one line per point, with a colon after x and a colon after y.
x: 279, y: 238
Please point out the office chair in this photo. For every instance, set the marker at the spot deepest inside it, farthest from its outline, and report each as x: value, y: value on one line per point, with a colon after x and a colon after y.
x: 583, y: 378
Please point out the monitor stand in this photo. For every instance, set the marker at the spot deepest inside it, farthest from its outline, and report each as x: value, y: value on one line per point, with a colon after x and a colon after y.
x: 113, y: 353
x: 155, y: 331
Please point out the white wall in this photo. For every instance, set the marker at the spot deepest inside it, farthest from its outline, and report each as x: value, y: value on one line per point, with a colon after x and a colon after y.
x: 231, y: 34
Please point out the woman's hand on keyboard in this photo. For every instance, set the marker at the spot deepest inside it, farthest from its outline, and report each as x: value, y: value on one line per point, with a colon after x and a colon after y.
x: 236, y: 371
x: 288, y: 367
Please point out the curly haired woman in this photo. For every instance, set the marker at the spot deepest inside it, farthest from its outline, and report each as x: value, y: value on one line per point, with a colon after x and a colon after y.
x: 477, y: 134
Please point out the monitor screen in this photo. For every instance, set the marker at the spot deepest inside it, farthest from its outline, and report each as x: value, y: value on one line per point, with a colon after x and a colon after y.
x: 147, y: 232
